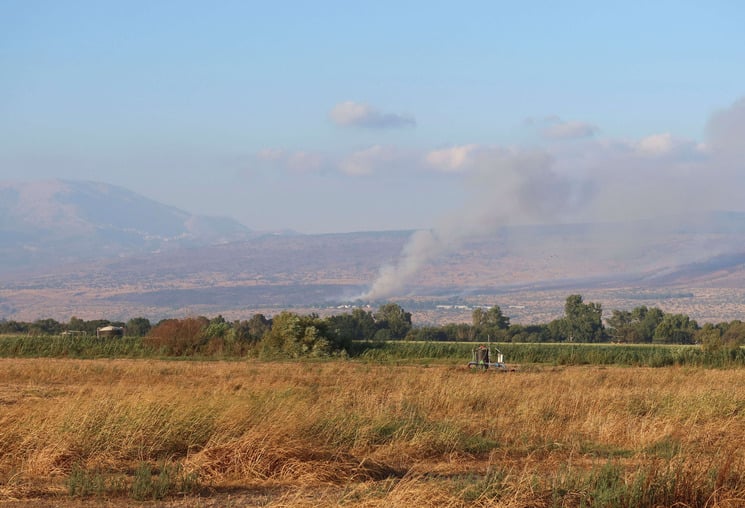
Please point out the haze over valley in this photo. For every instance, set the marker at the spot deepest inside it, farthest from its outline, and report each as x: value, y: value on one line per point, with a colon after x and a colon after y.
x: 257, y: 157
x: 93, y: 250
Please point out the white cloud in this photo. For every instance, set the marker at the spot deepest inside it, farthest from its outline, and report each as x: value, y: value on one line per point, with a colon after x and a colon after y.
x: 656, y: 144
x: 369, y: 160
x: 591, y: 179
x: 656, y: 176
x: 667, y: 145
x: 452, y: 160
x: 356, y: 114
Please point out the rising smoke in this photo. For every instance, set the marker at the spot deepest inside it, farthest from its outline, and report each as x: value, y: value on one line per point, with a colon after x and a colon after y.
x: 505, y: 187
x: 593, y: 180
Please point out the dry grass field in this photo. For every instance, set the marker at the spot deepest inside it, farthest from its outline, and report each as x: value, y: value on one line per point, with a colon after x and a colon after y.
x: 176, y: 433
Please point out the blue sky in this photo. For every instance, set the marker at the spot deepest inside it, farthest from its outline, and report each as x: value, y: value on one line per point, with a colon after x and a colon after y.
x: 343, y: 116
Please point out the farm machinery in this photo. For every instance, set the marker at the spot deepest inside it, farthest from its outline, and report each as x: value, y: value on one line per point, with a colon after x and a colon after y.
x: 481, y: 358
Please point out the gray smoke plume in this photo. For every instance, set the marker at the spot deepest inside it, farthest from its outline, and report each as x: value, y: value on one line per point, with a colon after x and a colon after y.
x: 658, y: 176
x: 504, y: 187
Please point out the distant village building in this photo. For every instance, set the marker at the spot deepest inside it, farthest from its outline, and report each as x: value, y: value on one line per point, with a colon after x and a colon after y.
x: 110, y: 331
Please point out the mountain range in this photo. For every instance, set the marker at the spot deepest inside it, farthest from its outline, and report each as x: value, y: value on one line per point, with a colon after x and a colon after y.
x: 94, y: 250
x: 57, y: 221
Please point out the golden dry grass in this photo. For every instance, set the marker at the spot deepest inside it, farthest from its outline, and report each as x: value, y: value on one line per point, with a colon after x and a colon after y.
x: 310, y: 434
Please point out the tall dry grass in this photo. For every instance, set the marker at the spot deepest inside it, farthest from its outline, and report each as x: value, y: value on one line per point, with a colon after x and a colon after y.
x: 332, y: 433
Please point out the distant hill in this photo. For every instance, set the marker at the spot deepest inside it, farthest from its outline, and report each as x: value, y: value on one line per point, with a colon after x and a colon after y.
x: 97, y: 251
x: 56, y: 221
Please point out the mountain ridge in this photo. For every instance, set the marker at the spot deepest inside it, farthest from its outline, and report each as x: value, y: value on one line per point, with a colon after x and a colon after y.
x: 105, y: 264
x: 51, y: 221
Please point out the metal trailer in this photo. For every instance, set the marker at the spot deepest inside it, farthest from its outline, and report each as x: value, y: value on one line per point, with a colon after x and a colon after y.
x: 481, y: 358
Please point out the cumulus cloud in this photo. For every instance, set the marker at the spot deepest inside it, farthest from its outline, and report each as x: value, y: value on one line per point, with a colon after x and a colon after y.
x: 356, y: 114
x: 452, y: 160
x: 371, y: 160
x: 667, y: 145
x: 656, y: 144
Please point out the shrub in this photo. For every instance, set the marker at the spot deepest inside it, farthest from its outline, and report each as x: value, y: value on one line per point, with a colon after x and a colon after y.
x: 177, y: 336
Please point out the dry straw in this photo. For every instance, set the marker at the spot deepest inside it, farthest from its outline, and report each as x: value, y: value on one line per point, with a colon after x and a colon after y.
x: 301, y: 434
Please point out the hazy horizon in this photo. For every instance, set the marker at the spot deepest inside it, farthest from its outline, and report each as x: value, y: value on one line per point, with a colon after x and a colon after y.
x: 331, y: 117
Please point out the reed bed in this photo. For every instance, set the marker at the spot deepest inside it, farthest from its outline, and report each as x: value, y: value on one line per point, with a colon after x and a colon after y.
x: 391, y: 352
x: 360, y: 434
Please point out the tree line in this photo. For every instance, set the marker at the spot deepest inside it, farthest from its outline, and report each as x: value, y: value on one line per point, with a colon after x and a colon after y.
x: 294, y: 335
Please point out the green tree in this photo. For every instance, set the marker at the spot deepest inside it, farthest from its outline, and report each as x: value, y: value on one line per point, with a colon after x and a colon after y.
x: 46, y: 326
x: 459, y: 331
x: 14, y: 327
x: 259, y: 325
x: 722, y: 336
x: 584, y: 321
x: 621, y: 327
x: 218, y: 328
x: 283, y: 336
x: 358, y: 325
x: 489, y: 323
x: 76, y: 324
x: 427, y: 333
x: 342, y: 326
x: 710, y: 337
x: 395, y: 319
x: 557, y: 330
x: 382, y: 335
x: 241, y: 331
x: 364, y: 323
x: 252, y: 330
x: 138, y: 327
x: 733, y: 335
x: 529, y: 333
x: 676, y: 329
x: 294, y: 336
x: 646, y: 321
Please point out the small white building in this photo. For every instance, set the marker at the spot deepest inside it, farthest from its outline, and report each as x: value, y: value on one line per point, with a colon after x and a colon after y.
x: 110, y: 331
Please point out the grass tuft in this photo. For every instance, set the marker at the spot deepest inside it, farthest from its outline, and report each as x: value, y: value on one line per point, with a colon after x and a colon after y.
x: 363, y: 434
